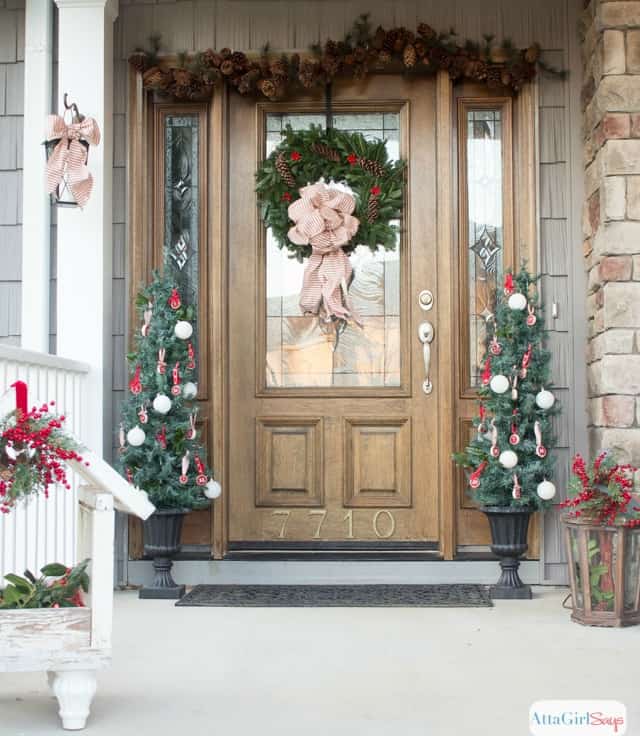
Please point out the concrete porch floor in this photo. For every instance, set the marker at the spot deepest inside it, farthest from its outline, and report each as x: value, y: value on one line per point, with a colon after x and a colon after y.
x: 400, y: 672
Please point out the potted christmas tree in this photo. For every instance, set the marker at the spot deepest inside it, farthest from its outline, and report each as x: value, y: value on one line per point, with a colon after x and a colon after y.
x: 508, y: 461
x: 159, y: 447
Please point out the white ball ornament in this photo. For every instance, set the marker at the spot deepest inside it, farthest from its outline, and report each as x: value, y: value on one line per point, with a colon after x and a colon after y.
x: 213, y: 489
x: 136, y: 436
x: 183, y: 330
x: 508, y: 459
x: 546, y: 490
x: 162, y: 404
x: 190, y: 390
x: 499, y: 384
x: 517, y: 301
x: 545, y: 399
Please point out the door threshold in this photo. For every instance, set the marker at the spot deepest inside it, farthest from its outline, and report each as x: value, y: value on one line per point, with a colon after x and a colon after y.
x: 336, y: 551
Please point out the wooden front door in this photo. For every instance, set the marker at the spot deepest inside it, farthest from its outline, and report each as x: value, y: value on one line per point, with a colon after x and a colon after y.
x: 336, y: 449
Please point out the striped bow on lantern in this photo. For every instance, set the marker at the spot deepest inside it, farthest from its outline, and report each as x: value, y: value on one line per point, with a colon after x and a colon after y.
x: 323, y: 219
x: 67, y: 163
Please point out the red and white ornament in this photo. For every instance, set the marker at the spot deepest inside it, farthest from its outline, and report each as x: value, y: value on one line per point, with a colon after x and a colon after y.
x: 531, y: 317
x: 526, y: 362
x: 176, y: 389
x: 541, y: 450
x: 174, y: 300
x: 143, y: 416
x: 201, y: 478
x: 185, y: 468
x: 486, y: 372
x: 146, y: 316
x: 495, y: 348
x: 514, y: 437
x: 495, y: 450
x: 135, y: 384
x: 517, y: 488
x: 508, y: 284
x: 191, y: 363
x: 162, y: 365
x: 474, y: 478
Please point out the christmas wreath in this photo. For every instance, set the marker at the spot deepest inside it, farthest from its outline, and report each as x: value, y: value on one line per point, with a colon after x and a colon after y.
x: 322, y: 193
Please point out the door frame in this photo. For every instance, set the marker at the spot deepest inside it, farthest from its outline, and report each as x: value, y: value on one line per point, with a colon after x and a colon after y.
x: 215, y: 238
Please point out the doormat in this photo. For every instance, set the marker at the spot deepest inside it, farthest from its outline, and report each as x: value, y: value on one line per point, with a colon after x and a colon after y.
x: 337, y: 596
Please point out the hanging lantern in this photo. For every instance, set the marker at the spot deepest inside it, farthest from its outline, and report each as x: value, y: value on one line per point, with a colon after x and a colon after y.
x: 69, y: 181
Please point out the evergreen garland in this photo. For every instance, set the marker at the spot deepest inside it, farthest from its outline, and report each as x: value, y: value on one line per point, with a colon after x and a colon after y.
x: 509, y: 329
x: 306, y: 156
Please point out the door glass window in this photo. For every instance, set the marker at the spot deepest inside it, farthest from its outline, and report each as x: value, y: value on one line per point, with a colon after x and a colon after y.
x: 300, y: 350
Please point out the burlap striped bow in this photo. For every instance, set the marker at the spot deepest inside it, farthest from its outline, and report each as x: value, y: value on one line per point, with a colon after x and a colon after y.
x: 323, y: 219
x: 69, y: 157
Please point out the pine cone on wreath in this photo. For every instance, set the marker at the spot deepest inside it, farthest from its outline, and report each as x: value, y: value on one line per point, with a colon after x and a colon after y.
x: 227, y: 67
x: 211, y: 58
x: 239, y: 59
x: 325, y: 151
x: 267, y: 87
x: 373, y: 207
x: 371, y: 167
x: 409, y: 56
x: 225, y: 53
x: 282, y: 167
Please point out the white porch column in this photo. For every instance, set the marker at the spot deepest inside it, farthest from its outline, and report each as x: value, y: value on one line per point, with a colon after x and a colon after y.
x: 85, y: 72
x: 36, y: 230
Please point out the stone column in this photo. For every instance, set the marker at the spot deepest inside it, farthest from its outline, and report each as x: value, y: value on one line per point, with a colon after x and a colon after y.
x: 611, y: 104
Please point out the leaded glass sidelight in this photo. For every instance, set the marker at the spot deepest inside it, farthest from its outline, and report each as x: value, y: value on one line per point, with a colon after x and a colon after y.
x: 484, y: 234
x: 182, y: 197
x: 182, y: 202
x: 299, y: 351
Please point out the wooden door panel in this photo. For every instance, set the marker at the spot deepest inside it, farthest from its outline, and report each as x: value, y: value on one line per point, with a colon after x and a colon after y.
x: 333, y: 447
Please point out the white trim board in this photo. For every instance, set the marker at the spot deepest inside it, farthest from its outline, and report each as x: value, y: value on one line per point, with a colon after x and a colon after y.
x: 281, y: 572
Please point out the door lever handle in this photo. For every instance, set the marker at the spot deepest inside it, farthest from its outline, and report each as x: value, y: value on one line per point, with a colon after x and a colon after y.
x: 425, y: 335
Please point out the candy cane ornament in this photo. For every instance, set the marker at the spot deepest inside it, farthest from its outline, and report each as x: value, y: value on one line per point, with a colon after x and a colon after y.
x: 191, y: 364
x: 191, y: 432
x: 531, y: 317
x: 146, y: 316
x: 143, y: 416
x: 514, y: 437
x: 135, y: 384
x: 121, y: 438
x: 517, y: 488
x: 495, y: 450
x: 184, y: 479
x: 482, y: 427
x: 541, y: 450
x: 474, y: 478
x: 486, y: 372
x: 526, y: 362
x: 162, y: 365
x: 176, y: 389
x: 514, y: 385
x: 495, y: 348
x: 161, y: 437
x: 201, y: 478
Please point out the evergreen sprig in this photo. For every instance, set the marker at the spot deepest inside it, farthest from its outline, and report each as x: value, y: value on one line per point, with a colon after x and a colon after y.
x: 351, y: 168
x: 514, y: 335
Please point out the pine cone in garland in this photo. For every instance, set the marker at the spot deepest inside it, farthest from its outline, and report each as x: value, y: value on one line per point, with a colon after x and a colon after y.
x: 211, y: 58
x: 494, y: 76
x: 268, y: 88
x: 384, y: 57
x: 371, y: 167
x: 425, y: 30
x: 326, y: 152
x: 373, y: 207
x: 239, y: 59
x: 409, y: 56
x: 282, y: 167
x: 390, y: 41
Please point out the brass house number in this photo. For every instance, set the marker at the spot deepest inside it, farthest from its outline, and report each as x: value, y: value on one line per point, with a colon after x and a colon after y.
x: 383, y: 523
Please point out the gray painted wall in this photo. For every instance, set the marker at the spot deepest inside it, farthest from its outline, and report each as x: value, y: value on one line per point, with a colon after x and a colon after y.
x: 188, y: 25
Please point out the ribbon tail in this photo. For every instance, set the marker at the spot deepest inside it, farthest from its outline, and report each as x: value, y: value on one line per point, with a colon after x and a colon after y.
x: 55, y: 166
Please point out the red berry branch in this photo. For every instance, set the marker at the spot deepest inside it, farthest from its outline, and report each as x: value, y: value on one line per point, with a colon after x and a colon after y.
x: 603, y: 492
x: 34, y: 451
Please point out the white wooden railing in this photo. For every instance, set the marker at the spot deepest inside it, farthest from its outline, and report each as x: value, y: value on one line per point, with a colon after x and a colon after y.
x: 43, y: 530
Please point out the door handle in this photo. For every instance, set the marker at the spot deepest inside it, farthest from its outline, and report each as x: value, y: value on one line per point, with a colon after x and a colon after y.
x: 426, y: 335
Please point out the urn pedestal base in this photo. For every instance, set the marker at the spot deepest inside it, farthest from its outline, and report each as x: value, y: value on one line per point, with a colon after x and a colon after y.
x: 162, y: 532
x: 509, y: 528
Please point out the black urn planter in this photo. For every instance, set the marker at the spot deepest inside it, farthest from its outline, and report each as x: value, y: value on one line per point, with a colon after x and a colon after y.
x: 161, y: 534
x: 509, y: 527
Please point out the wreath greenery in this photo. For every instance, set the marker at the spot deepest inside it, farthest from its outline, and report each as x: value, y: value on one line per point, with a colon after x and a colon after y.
x: 306, y: 156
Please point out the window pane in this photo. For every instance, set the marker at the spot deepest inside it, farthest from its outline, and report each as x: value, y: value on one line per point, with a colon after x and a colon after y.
x: 485, y: 224
x: 300, y: 349
x: 182, y: 202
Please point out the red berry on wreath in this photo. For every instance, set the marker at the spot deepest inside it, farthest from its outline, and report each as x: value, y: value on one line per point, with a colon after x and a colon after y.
x: 375, y: 191
x: 295, y: 156
x: 286, y: 197
x: 352, y: 159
